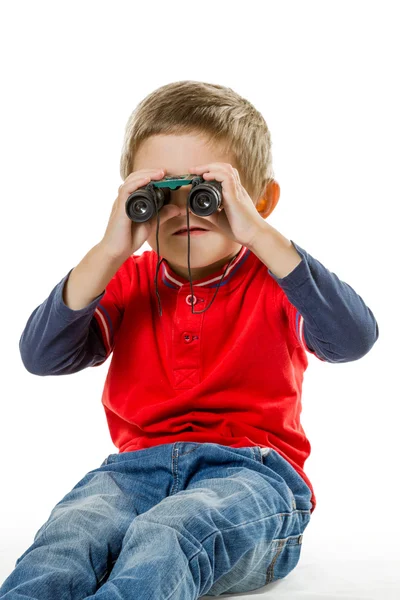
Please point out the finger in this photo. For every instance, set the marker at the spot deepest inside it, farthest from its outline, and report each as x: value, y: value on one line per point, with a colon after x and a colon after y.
x: 142, y: 175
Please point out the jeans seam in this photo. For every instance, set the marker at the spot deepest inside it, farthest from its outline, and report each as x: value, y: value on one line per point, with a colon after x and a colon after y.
x: 270, y: 570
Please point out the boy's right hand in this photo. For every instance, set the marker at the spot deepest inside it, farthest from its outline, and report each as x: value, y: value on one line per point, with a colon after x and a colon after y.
x: 123, y: 236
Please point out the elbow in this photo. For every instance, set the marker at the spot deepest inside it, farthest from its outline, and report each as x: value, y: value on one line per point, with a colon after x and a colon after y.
x: 370, y: 340
x: 25, y: 357
x: 351, y: 345
x: 362, y: 343
x: 28, y: 362
x: 29, y: 365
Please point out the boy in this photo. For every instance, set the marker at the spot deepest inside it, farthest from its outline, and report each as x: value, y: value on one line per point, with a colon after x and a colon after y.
x: 207, y: 494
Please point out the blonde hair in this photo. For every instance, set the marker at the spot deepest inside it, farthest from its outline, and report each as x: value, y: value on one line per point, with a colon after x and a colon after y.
x: 231, y: 123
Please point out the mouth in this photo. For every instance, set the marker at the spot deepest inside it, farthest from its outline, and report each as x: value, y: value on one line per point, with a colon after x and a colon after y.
x: 192, y: 230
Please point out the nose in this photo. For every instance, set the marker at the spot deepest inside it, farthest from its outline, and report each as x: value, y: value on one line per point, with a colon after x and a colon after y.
x: 180, y: 199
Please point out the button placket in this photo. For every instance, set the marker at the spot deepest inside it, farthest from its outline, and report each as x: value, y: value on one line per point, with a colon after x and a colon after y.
x: 186, y: 349
x: 187, y: 336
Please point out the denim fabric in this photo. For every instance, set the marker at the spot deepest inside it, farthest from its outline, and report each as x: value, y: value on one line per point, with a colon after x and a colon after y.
x: 174, y: 521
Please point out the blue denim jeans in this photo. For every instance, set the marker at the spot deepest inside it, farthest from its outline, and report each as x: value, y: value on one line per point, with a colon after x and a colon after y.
x: 171, y: 522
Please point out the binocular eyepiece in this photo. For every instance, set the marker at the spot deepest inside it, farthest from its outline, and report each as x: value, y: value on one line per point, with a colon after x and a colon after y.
x: 205, y: 197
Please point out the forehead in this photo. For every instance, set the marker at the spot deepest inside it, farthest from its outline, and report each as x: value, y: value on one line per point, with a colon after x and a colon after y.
x: 176, y: 153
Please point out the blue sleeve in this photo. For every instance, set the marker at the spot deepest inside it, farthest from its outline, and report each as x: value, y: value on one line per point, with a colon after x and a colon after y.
x: 58, y: 340
x: 325, y: 314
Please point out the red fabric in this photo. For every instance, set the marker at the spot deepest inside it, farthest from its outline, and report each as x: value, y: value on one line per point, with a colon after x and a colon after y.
x: 231, y: 375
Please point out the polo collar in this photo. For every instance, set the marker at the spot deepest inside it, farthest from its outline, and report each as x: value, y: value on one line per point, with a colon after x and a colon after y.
x: 174, y: 281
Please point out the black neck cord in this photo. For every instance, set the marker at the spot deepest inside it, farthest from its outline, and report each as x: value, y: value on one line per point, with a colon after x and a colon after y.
x: 195, y: 312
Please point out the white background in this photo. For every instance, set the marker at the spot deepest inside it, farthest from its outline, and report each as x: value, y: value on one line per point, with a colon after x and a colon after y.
x: 325, y: 75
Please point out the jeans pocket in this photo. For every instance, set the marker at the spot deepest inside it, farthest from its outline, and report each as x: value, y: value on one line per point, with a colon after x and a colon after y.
x: 285, y: 558
x: 274, y: 562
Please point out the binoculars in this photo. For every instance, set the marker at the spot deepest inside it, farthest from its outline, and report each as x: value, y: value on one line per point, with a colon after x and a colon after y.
x: 205, y: 197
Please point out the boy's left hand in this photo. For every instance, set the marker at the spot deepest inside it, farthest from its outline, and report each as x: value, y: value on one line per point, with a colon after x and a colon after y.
x: 238, y: 217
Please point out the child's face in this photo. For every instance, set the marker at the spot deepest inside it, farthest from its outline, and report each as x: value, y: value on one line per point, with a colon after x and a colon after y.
x: 208, y: 252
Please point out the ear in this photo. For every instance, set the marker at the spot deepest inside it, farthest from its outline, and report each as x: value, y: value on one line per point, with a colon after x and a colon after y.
x: 269, y: 199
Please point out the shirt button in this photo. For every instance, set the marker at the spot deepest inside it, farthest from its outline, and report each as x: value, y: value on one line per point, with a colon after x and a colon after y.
x: 188, y: 301
x: 187, y: 337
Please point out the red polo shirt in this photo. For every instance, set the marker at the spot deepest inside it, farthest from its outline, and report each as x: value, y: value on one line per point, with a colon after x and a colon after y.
x: 231, y: 375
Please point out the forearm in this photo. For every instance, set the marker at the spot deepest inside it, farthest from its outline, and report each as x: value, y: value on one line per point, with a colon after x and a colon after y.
x: 275, y: 251
x: 89, y: 278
